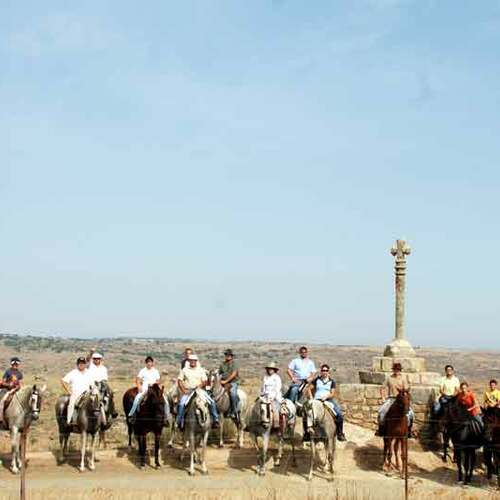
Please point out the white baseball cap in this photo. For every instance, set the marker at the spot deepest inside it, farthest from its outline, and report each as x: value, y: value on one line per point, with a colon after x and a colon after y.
x: 192, y: 357
x: 97, y: 355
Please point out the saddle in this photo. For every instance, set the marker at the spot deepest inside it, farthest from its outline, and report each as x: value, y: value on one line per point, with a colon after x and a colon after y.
x: 330, y: 410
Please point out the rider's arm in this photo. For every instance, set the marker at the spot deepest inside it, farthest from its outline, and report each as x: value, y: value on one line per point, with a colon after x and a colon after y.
x: 313, y: 374
x: 231, y: 376
x: 66, y: 386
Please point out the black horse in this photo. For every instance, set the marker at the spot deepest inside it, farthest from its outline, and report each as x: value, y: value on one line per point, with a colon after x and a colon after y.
x: 492, y: 442
x: 466, y: 435
x: 150, y: 417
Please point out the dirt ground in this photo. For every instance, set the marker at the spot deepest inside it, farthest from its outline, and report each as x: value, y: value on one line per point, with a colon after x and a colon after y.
x: 232, y: 476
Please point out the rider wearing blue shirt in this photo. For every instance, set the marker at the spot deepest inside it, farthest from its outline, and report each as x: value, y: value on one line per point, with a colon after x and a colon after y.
x: 324, y: 389
x: 300, y: 370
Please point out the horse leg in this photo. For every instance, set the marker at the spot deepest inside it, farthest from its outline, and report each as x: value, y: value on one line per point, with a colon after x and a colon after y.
x: 263, y: 457
x: 294, y: 458
x: 15, y: 440
x: 157, y: 450
x: 92, y: 452
x: 488, y: 462
x: 170, y: 443
x: 191, y: 453
x: 404, y: 453
x: 129, y: 427
x: 221, y: 432
x: 458, y: 457
x: 141, y: 440
x: 312, y: 459
x: 256, y: 444
x: 397, y: 454
x: 471, y: 462
x: 445, y: 446
x: 203, y: 443
x: 83, y: 444
x: 331, y: 454
x: 239, y: 429
x: 386, y: 466
x: 277, y: 460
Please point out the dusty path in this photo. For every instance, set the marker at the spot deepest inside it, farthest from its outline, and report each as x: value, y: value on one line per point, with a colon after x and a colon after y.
x: 231, y: 475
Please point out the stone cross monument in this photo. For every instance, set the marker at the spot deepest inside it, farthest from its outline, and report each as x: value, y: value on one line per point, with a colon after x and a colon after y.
x: 400, y: 347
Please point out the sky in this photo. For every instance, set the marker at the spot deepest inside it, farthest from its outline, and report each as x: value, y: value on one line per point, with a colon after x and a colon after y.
x: 239, y: 170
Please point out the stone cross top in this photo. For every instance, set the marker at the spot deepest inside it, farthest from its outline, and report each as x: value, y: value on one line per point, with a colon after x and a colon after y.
x: 400, y: 347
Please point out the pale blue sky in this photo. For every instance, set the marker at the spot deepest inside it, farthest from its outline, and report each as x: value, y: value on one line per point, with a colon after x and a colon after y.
x: 239, y: 170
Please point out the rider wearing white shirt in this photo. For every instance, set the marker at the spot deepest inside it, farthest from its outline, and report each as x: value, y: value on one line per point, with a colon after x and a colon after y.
x: 149, y: 375
x: 97, y: 371
x: 271, y: 385
x: 75, y: 383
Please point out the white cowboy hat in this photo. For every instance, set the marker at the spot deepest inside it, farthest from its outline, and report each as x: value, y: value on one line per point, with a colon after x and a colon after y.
x: 97, y: 355
x: 272, y: 365
x: 192, y: 357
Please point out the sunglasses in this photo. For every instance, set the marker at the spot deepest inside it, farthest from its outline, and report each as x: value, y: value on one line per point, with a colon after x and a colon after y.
x: 325, y: 370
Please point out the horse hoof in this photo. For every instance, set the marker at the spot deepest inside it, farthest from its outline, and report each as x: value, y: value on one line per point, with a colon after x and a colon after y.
x: 191, y: 473
x: 221, y: 445
x: 204, y: 472
x: 81, y: 469
x: 157, y: 466
x: 14, y: 471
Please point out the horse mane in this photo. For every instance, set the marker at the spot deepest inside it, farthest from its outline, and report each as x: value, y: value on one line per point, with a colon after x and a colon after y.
x: 24, y: 394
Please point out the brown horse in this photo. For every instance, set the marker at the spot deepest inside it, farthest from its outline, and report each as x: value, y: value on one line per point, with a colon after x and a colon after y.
x: 396, y: 433
x: 150, y: 417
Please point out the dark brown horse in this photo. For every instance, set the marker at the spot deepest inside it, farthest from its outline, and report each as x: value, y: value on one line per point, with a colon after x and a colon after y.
x: 150, y: 417
x: 396, y: 433
x: 492, y: 442
x: 466, y: 435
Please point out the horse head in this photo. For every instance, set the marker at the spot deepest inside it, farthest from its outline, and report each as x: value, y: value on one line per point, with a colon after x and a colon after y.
x: 94, y: 400
x: 310, y: 413
x: 201, y: 409
x: 106, y: 397
x: 213, y: 379
x: 264, y: 413
x: 403, y: 399
x: 155, y: 400
x: 35, y: 401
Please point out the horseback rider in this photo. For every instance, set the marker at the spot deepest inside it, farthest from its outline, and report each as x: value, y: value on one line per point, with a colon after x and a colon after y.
x: 229, y: 372
x: 300, y: 370
x: 11, y: 382
x: 491, y: 398
x: 185, y: 355
x: 76, y: 383
x: 449, y: 386
x: 468, y: 399
x: 388, y: 392
x: 190, y: 378
x: 324, y: 389
x: 146, y: 377
x: 97, y: 371
x: 270, y: 391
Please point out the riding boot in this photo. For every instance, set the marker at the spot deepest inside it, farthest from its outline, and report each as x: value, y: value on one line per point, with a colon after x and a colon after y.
x: 381, y: 430
x: 410, y: 431
x: 340, y: 431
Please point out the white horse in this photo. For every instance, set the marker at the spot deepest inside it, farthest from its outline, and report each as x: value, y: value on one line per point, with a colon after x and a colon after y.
x: 263, y: 420
x: 321, y: 425
x: 197, y: 425
x: 21, y: 412
x: 90, y: 418
x: 221, y: 398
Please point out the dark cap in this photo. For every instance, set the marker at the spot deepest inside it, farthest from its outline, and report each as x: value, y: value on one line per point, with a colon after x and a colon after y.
x: 397, y: 367
x: 81, y: 359
x: 229, y: 352
x: 15, y: 359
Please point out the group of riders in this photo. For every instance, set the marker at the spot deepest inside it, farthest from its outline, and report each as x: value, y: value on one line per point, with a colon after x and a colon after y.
x: 305, y: 381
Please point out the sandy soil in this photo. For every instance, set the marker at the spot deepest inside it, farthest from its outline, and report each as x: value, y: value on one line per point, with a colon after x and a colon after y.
x: 232, y: 475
